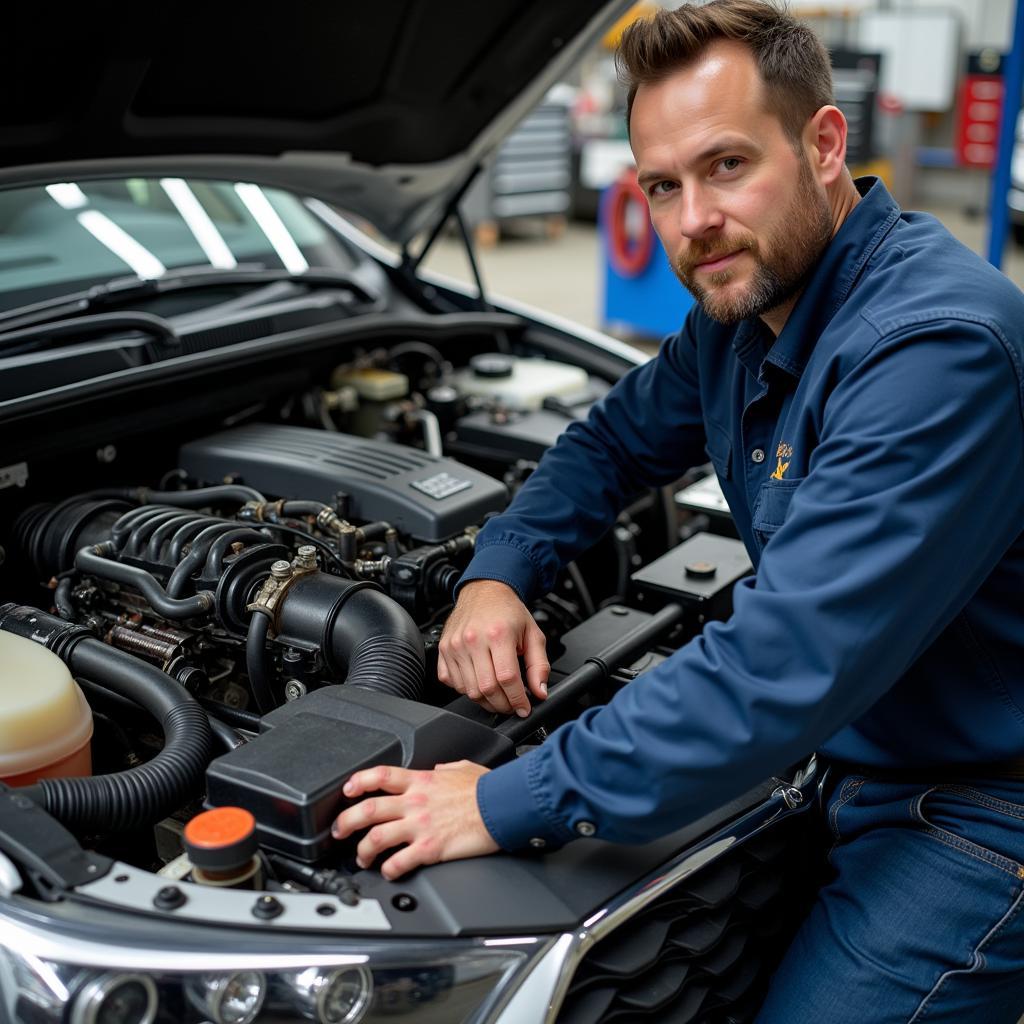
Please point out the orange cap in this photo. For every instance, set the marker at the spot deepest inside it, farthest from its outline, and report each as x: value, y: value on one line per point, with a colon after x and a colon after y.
x: 221, y: 838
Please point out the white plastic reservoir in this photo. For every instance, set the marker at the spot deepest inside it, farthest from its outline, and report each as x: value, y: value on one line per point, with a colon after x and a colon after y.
x: 519, y: 383
x: 45, y: 721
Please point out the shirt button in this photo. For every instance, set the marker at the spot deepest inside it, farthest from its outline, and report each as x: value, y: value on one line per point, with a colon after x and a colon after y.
x: 757, y: 455
x: 585, y: 829
x: 537, y: 843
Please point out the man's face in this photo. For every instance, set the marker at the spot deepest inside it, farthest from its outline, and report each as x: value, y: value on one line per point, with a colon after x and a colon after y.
x: 739, y: 212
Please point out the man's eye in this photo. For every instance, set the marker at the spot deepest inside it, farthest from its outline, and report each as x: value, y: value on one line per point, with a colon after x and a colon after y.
x: 661, y: 188
x: 730, y: 163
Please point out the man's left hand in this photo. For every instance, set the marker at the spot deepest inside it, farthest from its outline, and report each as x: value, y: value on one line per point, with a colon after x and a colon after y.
x: 433, y: 813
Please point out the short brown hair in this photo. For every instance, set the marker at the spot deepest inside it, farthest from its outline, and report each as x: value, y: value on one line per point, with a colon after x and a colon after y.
x: 793, y: 63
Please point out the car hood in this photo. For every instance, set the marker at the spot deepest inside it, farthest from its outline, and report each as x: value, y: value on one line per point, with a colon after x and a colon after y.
x: 383, y: 109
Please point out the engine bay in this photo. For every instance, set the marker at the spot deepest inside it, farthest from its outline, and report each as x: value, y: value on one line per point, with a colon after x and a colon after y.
x: 252, y: 612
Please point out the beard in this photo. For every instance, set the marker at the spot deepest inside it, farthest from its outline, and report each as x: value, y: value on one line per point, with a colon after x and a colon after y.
x: 781, y: 266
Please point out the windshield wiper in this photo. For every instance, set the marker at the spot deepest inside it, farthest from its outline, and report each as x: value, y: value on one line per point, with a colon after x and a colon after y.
x: 40, y: 336
x: 130, y: 289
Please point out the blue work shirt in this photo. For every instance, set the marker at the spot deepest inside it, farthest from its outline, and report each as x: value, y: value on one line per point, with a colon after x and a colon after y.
x: 873, y: 459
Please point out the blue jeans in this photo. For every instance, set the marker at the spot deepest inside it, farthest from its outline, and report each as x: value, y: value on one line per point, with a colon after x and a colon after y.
x: 923, y: 916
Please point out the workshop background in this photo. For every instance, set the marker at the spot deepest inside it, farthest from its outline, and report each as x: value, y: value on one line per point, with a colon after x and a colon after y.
x: 922, y: 85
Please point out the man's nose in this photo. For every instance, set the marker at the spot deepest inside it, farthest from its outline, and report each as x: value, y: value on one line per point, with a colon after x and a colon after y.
x: 699, y: 214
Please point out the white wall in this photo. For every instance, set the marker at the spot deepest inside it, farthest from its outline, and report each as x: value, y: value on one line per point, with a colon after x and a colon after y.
x: 985, y: 22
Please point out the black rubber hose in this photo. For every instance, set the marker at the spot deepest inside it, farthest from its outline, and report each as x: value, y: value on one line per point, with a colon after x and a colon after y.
x: 226, y: 494
x: 164, y: 532
x: 184, y: 534
x: 367, y: 638
x: 256, y: 662
x: 139, y: 796
x: 229, y: 738
x: 91, y: 560
x: 238, y: 718
x: 379, y: 641
x: 215, y: 557
x: 196, y: 557
x: 62, y: 599
x: 133, y: 517
x: 373, y: 530
x: 142, y: 531
x: 304, y: 508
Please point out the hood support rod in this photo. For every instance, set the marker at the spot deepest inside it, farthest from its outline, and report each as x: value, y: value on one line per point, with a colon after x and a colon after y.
x: 452, y: 210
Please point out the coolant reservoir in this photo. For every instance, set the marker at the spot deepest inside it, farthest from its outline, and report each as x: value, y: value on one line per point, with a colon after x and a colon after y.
x: 45, y: 721
x: 519, y: 383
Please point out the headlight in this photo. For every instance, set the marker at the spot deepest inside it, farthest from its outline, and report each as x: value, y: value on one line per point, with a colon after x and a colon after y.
x: 429, y: 983
x: 334, y: 997
x: 115, y: 999
x: 228, y: 998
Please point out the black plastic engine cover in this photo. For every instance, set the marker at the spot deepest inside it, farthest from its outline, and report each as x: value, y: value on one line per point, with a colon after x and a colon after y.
x: 290, y: 776
x: 698, y: 574
x: 423, y: 495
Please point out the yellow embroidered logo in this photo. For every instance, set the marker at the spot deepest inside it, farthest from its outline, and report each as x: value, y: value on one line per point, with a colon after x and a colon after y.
x: 784, y: 451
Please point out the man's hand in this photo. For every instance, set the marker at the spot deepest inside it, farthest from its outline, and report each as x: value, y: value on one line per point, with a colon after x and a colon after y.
x: 433, y: 813
x: 480, y: 646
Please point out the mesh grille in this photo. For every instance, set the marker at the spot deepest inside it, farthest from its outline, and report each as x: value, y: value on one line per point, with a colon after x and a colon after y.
x: 703, y: 952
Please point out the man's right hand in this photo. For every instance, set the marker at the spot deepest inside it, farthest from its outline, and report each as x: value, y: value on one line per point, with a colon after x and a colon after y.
x: 480, y: 647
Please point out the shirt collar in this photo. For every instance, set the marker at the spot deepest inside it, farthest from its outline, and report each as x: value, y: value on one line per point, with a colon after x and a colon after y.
x: 829, y: 285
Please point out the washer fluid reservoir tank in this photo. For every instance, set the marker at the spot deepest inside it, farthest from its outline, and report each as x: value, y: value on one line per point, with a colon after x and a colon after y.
x: 45, y: 720
x: 519, y: 383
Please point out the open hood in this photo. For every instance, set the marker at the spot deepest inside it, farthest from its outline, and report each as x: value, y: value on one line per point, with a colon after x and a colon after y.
x: 382, y: 108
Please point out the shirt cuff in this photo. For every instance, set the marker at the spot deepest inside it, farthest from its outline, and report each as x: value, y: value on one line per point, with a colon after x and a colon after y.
x: 504, y: 563
x: 507, y: 799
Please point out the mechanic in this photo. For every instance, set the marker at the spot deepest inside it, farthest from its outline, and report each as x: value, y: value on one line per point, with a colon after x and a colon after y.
x: 856, y: 376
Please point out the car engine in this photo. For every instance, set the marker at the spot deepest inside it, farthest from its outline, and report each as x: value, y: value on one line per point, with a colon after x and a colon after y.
x: 275, y: 602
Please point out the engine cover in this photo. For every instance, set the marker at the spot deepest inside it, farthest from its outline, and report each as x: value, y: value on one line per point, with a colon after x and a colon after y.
x: 428, y: 497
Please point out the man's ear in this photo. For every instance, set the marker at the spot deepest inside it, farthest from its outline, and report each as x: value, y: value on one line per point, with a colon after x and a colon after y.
x: 825, y: 143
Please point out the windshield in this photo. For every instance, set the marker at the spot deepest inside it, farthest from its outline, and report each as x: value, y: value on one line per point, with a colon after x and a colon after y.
x: 68, y: 236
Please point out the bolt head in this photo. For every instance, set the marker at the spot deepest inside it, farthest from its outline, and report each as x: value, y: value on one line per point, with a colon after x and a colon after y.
x: 170, y: 897
x: 267, y: 907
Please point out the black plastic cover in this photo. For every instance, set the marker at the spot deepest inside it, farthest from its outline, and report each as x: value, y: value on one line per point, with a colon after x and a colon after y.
x: 516, y: 435
x: 423, y: 495
x: 290, y: 777
x: 698, y: 574
x: 44, y: 849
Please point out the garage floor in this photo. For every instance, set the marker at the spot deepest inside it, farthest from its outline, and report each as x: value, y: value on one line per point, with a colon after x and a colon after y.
x: 563, y: 275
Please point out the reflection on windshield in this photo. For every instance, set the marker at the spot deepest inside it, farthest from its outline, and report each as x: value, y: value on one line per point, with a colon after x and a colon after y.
x: 273, y: 227
x: 210, y: 240
x: 72, y: 235
x: 105, y: 231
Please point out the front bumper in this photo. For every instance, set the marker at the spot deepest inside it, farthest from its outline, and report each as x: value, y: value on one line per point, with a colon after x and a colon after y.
x: 700, y: 932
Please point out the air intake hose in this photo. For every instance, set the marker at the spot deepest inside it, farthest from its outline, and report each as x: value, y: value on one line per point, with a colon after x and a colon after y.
x: 367, y: 638
x: 138, y: 796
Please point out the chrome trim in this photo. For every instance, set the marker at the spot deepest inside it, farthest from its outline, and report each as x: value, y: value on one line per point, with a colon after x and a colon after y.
x: 531, y: 1000
x: 89, y: 1002
x: 30, y: 940
x: 208, y: 993
x: 541, y: 992
x: 48, y: 944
